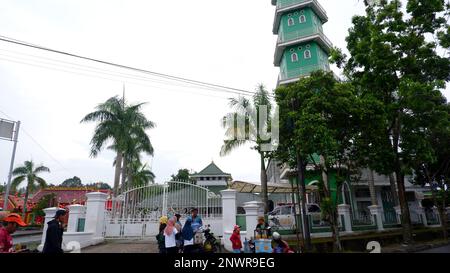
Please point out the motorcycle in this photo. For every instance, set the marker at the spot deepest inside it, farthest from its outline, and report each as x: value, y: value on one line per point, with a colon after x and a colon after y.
x: 211, y: 244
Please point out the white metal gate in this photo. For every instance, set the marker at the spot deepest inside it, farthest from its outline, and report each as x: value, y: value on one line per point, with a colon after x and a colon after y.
x: 136, y: 212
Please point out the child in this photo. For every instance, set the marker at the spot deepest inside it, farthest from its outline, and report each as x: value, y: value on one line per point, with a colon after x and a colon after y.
x: 236, y: 239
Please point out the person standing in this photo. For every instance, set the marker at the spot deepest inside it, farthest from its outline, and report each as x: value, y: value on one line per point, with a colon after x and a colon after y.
x: 179, y: 236
x: 262, y: 228
x: 197, y: 224
x: 160, y: 237
x: 188, y: 236
x: 54, y: 235
x: 169, y: 237
x: 235, y: 239
x: 10, y: 224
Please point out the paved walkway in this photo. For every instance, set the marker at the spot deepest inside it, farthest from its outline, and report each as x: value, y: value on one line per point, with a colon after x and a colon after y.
x: 124, y: 246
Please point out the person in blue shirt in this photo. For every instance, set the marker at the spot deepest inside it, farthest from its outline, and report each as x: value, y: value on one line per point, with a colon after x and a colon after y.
x: 197, y: 222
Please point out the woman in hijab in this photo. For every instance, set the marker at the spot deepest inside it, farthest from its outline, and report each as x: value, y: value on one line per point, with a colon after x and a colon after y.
x: 169, y: 236
x: 188, y: 236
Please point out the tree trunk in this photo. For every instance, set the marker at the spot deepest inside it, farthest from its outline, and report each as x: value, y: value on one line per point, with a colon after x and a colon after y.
x: 335, y: 231
x: 124, y: 184
x: 130, y: 177
x: 264, y: 196
x: 373, y: 194
x: 333, y: 213
x: 117, y: 173
x: 25, y: 201
x: 324, y: 174
x: 302, y: 188
x: 405, y: 216
x: 393, y: 189
x: 300, y: 244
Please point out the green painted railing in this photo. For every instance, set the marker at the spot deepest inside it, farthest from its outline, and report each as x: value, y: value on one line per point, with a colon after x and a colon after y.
x: 302, y: 71
x: 281, y: 4
x: 286, y: 3
x: 287, y: 36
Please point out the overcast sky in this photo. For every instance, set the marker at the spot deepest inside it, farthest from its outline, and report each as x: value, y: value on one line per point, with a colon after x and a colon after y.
x: 222, y: 42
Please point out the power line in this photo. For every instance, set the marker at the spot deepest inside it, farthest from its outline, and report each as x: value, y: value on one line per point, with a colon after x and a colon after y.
x: 112, y: 79
x: 167, y: 76
x: 94, y: 70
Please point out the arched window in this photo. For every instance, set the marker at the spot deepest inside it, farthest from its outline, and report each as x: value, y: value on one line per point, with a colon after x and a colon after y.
x: 291, y: 22
x: 302, y: 19
x: 294, y: 57
x: 307, y: 54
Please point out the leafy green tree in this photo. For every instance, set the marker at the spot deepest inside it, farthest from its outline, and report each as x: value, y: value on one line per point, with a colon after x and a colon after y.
x: 238, y: 134
x: 99, y: 185
x: 47, y: 201
x: 436, y: 175
x: 28, y: 173
x: 182, y: 175
x: 321, y: 113
x: 122, y: 124
x: 141, y: 175
x: 394, y: 63
x: 72, y: 182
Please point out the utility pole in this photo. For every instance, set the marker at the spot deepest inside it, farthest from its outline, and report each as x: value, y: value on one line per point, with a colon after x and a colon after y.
x: 11, y: 167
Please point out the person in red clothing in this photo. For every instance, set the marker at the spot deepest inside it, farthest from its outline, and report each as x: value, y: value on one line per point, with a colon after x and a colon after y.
x: 236, y: 239
x: 10, y: 224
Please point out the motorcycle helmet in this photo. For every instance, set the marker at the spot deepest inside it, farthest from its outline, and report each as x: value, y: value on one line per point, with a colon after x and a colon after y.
x: 276, y: 236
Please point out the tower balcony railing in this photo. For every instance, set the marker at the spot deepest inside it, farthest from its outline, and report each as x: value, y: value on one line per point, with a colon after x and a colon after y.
x: 302, y: 71
x: 294, y: 35
x: 281, y: 4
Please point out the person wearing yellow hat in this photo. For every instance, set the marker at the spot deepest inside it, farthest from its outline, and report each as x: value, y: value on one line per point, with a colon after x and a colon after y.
x: 163, y: 220
x: 10, y: 224
x: 160, y: 237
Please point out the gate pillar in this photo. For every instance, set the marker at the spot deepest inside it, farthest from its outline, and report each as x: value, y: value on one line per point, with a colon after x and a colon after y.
x: 229, y: 216
x: 95, y: 214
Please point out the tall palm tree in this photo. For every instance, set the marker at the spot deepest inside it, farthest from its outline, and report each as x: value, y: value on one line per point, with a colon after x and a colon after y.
x: 140, y: 175
x: 29, y: 173
x: 118, y: 122
x: 132, y: 157
x: 247, y: 110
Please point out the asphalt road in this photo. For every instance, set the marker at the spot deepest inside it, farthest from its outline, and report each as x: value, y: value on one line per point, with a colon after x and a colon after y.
x: 444, y: 249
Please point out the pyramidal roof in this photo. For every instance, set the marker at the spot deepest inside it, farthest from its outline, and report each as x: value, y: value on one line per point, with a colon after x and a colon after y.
x: 211, y: 169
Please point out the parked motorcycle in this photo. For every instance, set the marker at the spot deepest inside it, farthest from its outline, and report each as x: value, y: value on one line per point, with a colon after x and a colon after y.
x: 211, y: 244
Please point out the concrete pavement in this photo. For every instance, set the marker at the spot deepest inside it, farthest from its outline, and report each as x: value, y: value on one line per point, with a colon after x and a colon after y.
x: 124, y: 246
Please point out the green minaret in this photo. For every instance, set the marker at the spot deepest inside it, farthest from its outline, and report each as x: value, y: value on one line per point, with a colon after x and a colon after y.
x: 302, y: 47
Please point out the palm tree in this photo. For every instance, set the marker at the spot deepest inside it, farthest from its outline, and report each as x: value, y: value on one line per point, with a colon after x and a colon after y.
x: 119, y: 123
x: 140, y: 175
x: 247, y: 110
x: 132, y: 157
x: 29, y: 173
